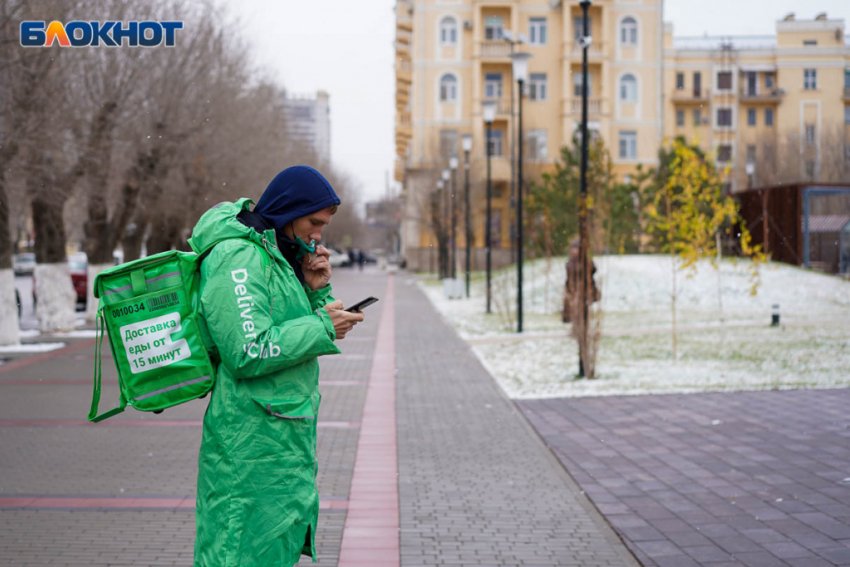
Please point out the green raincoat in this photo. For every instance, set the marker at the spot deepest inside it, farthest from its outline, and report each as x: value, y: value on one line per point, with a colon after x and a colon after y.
x: 257, y: 502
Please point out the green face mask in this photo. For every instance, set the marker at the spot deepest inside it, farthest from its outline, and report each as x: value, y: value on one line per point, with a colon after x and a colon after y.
x: 304, y: 248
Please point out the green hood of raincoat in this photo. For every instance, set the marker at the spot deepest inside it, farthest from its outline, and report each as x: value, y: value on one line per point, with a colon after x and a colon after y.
x: 257, y: 500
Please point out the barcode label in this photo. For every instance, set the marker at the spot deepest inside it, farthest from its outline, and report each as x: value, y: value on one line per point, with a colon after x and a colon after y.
x: 163, y: 301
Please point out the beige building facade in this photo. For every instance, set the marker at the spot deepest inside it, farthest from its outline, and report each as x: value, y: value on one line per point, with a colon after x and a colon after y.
x: 644, y: 85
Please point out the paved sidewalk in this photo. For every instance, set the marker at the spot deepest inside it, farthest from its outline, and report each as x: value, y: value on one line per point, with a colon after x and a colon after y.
x: 477, y: 486
x: 721, y: 480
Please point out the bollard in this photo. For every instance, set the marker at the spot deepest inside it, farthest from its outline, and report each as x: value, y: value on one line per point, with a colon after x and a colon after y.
x: 774, y: 321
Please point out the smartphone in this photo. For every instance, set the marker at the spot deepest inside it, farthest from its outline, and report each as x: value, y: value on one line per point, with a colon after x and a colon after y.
x: 361, y: 305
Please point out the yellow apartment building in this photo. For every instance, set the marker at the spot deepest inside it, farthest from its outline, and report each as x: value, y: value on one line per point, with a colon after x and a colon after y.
x: 771, y: 108
x: 644, y: 84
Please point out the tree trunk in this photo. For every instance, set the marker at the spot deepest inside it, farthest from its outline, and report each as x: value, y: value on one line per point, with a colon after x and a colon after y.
x: 49, y: 229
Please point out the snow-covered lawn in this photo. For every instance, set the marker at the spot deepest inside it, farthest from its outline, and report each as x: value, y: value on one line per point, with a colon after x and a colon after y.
x: 725, y: 341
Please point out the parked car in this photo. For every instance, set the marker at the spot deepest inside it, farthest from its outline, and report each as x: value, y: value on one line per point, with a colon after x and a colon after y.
x: 338, y: 259
x: 23, y: 264
x: 79, y: 275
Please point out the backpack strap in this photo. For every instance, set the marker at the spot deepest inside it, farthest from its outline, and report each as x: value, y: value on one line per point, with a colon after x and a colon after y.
x: 98, y: 352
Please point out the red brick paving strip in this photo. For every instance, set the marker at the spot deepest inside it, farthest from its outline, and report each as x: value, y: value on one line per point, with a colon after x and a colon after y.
x: 152, y: 423
x: 122, y: 503
x: 370, y: 536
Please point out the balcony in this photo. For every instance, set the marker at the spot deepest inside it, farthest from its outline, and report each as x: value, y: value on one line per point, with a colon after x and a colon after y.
x: 500, y: 167
x: 498, y: 49
x: 404, y: 71
x: 693, y: 96
x: 595, y: 106
x: 771, y: 96
x: 403, y: 124
x: 846, y: 94
x: 595, y: 52
x: 503, y: 106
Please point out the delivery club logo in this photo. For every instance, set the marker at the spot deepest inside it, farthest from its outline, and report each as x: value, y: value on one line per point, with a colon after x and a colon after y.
x: 81, y: 33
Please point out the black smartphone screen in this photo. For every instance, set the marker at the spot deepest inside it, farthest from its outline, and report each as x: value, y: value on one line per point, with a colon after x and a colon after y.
x: 361, y: 305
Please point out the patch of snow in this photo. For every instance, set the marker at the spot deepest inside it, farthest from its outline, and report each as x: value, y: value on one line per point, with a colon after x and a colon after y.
x: 29, y: 348
x: 728, y: 349
x: 78, y: 334
x: 91, y: 302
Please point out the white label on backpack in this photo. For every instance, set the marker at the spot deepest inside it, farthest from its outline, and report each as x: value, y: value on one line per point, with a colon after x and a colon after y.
x: 148, y: 343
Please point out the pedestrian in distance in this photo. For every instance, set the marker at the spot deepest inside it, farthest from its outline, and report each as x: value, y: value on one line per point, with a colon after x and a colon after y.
x: 266, y: 302
x: 361, y: 259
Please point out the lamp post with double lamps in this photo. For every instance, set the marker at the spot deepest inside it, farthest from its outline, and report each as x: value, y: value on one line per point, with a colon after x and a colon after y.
x: 488, y: 109
x: 519, y: 63
x: 466, y: 144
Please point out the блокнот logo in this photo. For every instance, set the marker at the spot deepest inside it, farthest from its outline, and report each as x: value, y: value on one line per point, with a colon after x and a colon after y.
x: 79, y: 33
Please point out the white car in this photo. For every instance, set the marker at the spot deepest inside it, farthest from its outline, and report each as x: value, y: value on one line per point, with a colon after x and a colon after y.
x: 337, y: 258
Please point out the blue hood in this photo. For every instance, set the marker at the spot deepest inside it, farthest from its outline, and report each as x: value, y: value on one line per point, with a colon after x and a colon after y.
x: 295, y: 192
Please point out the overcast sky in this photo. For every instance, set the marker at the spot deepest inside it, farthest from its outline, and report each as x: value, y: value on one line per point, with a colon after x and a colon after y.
x: 346, y: 48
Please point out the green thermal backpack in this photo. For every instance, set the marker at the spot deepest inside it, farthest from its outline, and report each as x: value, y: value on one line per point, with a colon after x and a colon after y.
x: 149, y: 308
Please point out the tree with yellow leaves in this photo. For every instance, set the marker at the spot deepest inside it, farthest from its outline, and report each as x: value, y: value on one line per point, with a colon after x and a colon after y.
x: 688, y: 211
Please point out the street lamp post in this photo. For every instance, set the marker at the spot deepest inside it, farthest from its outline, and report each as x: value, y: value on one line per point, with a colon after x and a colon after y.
x: 446, y: 175
x: 453, y: 168
x: 466, y: 144
x: 583, y: 271
x: 520, y: 71
x: 489, y: 112
x: 441, y: 238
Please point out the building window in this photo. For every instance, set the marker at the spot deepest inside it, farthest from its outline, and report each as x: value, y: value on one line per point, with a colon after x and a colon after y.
x: 448, y: 143
x: 697, y: 117
x: 847, y: 78
x: 493, y: 28
x: 536, y: 143
x: 537, y: 86
x: 495, y: 139
x: 810, y: 42
x: 751, y: 117
x: 847, y: 153
x: 751, y: 154
x: 448, y: 88
x: 847, y: 115
x: 680, y: 118
x: 810, y: 79
x: 577, y: 85
x: 724, y: 153
x: 680, y: 81
x: 448, y: 31
x: 629, y: 31
x: 752, y: 83
x: 697, y: 84
x: 628, y: 144
x: 810, y: 134
x: 724, y: 116
x: 493, y: 85
x: 768, y: 117
x: 724, y: 80
x: 628, y: 88
x: 768, y: 80
x: 578, y: 29
x: 810, y: 170
x: 537, y: 31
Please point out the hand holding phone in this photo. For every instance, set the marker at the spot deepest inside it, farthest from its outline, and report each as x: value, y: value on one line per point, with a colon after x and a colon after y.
x: 361, y: 305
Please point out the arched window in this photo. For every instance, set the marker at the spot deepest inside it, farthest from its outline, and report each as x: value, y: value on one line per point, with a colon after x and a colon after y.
x: 628, y: 88
x: 448, y: 31
x: 629, y: 31
x: 448, y: 88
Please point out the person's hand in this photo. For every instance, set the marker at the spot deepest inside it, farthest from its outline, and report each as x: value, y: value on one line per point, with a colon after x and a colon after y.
x: 343, y: 321
x: 317, y: 268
